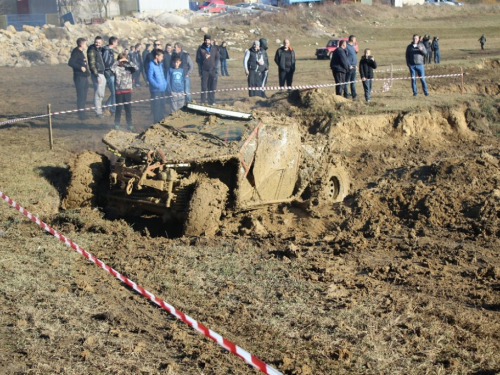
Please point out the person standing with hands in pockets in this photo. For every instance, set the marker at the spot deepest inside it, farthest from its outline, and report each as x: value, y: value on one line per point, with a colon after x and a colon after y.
x: 207, y: 58
x: 415, y: 57
x: 252, y: 61
x: 366, y: 66
x: 78, y: 62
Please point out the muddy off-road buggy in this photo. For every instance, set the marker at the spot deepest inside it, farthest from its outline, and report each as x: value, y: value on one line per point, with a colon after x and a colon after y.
x: 202, y: 163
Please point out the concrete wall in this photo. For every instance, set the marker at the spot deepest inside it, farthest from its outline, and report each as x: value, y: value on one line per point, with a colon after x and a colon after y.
x: 43, y: 6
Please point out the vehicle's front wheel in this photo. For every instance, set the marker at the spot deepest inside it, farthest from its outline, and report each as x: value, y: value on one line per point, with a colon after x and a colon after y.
x: 205, y: 208
x: 331, y: 187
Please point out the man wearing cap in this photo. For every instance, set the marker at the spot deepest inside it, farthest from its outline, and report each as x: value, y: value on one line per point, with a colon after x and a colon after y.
x: 252, y: 61
x: 207, y: 58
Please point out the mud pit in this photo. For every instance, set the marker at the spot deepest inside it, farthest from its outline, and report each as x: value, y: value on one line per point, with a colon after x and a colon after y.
x: 403, y: 276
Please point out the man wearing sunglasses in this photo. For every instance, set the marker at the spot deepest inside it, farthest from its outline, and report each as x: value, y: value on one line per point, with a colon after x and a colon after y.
x: 151, y: 56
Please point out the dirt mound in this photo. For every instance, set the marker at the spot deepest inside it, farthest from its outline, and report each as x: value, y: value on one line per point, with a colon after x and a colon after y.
x: 90, y: 173
x: 460, y: 195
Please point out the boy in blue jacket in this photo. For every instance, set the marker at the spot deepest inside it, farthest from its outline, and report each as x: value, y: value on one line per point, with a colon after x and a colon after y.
x: 175, y: 85
x: 157, y: 85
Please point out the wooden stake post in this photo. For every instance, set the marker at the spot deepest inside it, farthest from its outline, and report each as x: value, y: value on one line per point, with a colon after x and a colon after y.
x: 51, y: 141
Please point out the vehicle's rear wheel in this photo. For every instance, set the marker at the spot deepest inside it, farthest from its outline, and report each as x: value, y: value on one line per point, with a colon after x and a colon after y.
x: 205, y: 208
x: 89, y: 181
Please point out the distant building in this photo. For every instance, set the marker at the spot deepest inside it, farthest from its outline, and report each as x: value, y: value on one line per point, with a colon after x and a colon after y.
x: 29, y: 12
x: 30, y: 6
x: 129, y: 6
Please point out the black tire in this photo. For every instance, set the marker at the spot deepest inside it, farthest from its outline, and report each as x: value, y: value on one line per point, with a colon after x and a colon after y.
x: 205, y: 208
x: 89, y: 181
x: 332, y: 187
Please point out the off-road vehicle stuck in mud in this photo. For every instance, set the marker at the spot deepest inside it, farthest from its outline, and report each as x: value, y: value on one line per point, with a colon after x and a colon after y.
x: 202, y: 163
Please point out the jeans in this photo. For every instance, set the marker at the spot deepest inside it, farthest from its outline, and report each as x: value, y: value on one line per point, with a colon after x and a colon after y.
x: 110, y: 79
x: 137, y: 77
x: 187, y: 88
x: 350, y: 76
x: 158, y: 106
x: 124, y: 98
x: 339, y: 80
x: 418, y: 70
x: 99, y: 88
x: 437, y: 57
x: 223, y: 68
x: 82, y: 87
x: 367, y: 86
x: 263, y: 81
x: 208, y: 83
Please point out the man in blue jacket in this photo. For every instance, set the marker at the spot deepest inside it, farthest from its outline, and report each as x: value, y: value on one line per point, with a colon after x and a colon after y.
x: 415, y: 55
x: 157, y: 85
x: 352, y: 59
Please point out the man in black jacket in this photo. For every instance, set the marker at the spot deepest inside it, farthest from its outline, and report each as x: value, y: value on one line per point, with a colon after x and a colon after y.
x: 147, y: 50
x: 109, y: 59
x: 339, y: 66
x: 167, y: 58
x: 252, y: 62
x: 207, y: 58
x: 96, y: 66
x: 285, y: 59
x: 136, y: 58
x: 366, y: 66
x: 80, y: 73
x: 224, y: 56
x: 427, y: 44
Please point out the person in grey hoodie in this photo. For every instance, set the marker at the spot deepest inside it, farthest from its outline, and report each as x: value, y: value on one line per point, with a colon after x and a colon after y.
x: 415, y: 55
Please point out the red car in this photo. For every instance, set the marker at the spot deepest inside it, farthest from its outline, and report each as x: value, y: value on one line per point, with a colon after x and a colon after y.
x: 213, y: 6
x: 326, y: 52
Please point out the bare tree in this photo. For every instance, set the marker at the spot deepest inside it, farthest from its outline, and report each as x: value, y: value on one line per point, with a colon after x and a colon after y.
x: 103, y: 7
x: 66, y: 6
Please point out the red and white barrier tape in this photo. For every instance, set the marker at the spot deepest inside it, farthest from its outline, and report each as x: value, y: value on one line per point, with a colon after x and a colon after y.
x: 226, y: 344
x: 268, y: 88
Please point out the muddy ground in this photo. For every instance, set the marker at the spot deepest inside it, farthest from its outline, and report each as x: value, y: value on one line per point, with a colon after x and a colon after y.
x: 402, y: 277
